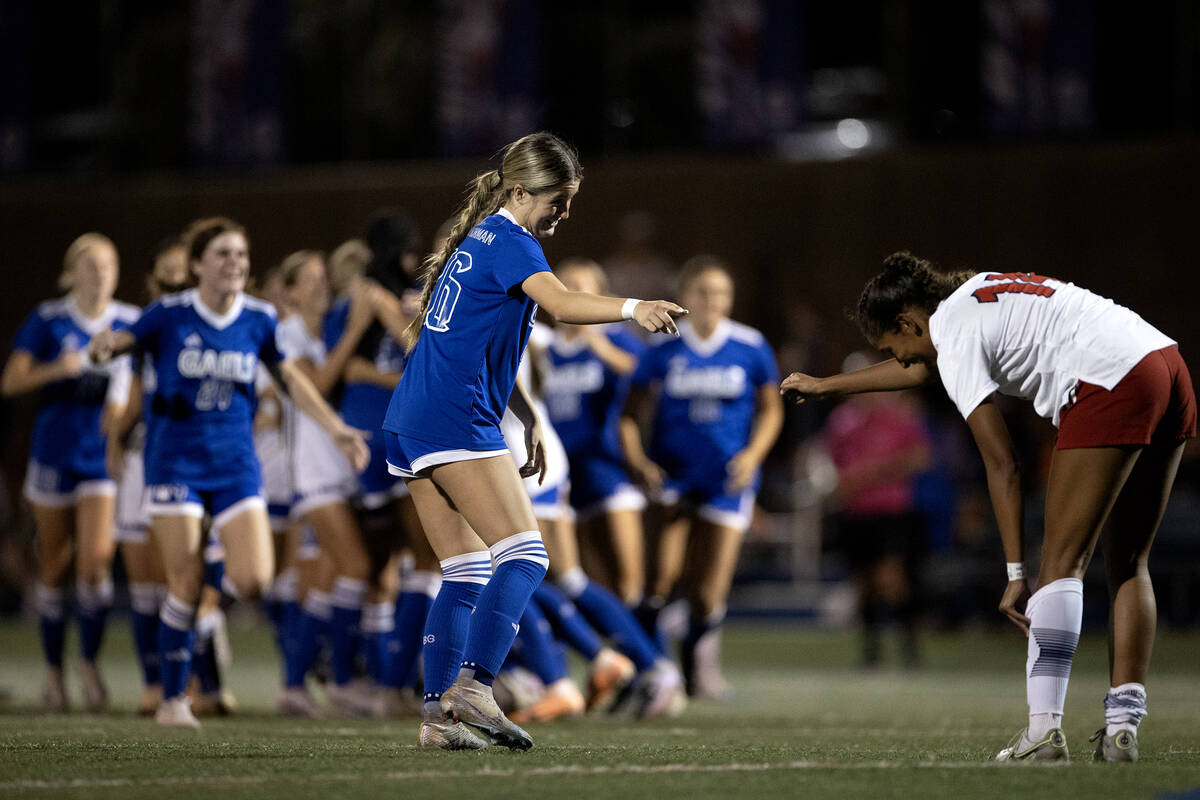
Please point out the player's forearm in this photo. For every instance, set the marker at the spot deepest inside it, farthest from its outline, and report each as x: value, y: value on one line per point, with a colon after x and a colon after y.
x: 768, y: 422
x: 20, y: 379
x: 1004, y: 488
x: 521, y: 404
x: 582, y: 308
x: 885, y: 376
x: 307, y: 399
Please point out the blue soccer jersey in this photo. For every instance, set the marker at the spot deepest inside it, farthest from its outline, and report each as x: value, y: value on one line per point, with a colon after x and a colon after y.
x: 584, y: 396
x: 66, y: 433
x: 200, y: 419
x: 707, y: 398
x: 456, y: 385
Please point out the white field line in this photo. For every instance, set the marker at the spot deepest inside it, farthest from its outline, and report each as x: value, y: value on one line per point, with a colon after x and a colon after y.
x: 494, y: 772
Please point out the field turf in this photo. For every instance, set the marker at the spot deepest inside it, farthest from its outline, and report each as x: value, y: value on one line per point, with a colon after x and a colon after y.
x: 804, y: 723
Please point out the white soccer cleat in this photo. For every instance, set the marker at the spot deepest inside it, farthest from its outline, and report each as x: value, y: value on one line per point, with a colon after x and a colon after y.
x: 1051, y: 747
x: 176, y: 713
x: 95, y: 693
x: 470, y: 702
x: 1121, y: 746
x: 54, y: 693
x: 657, y: 689
x: 705, y: 681
x: 297, y: 702
x: 447, y: 734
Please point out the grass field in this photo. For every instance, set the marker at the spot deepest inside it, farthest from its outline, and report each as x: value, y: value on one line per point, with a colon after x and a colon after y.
x: 804, y: 723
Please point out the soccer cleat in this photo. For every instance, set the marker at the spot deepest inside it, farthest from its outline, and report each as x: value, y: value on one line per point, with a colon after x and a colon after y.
x: 95, y: 693
x: 151, y: 700
x: 54, y: 693
x: 297, y: 702
x: 1051, y: 747
x: 471, y: 702
x: 516, y: 688
x: 176, y: 713
x: 447, y: 734
x: 702, y: 670
x: 1121, y: 746
x: 349, y: 700
x: 656, y: 689
x: 611, y: 672
x: 220, y: 703
x: 561, y: 699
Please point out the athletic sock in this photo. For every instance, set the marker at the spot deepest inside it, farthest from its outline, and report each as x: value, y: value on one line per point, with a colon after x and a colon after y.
x: 145, y: 601
x: 377, y: 626
x: 52, y: 623
x: 279, y: 597
x: 91, y: 606
x: 464, y: 578
x: 176, y: 637
x: 308, y: 624
x: 540, y: 652
x: 417, y: 590
x: 1124, y: 708
x: 1055, y: 616
x: 204, y: 655
x: 519, y: 563
x: 609, y: 615
x: 568, y: 624
x: 347, y: 602
x: 702, y: 634
x: 647, y: 613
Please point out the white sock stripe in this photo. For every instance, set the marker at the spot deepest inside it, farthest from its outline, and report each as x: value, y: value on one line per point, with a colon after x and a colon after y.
x: 317, y: 604
x: 92, y: 599
x: 537, y: 555
x: 49, y: 602
x: 349, y: 593
x: 285, y: 586
x: 378, y: 618
x: 517, y: 540
x: 229, y: 587
x: 144, y: 598
x: 1125, y: 704
x: 468, y: 568
x: 177, y: 614
x: 573, y: 582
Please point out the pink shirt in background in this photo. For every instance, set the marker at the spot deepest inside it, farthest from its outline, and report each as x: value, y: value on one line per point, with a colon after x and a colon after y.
x: 867, y: 432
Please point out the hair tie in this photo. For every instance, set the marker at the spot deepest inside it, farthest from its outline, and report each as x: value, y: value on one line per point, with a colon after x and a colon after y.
x: 500, y: 173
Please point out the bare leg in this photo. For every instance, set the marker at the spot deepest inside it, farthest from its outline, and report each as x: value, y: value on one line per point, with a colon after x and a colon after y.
x: 629, y: 546
x: 249, y: 551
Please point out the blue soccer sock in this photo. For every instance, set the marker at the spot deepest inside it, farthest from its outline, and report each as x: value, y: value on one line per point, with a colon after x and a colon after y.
x: 647, y: 614
x: 417, y: 590
x: 52, y: 623
x: 145, y: 600
x: 463, y: 580
x: 282, y: 593
x: 568, y: 624
x: 309, y: 622
x: 204, y: 656
x: 92, y: 603
x: 377, y: 626
x: 610, y: 616
x: 347, y: 602
x: 539, y: 650
x: 176, y: 637
x: 520, y: 563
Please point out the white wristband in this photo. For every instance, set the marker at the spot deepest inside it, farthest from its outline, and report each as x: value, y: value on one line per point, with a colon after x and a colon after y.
x: 1016, y: 570
x: 628, y: 307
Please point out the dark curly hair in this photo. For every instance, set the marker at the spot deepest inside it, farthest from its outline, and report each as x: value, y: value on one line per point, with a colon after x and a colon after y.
x: 906, y: 282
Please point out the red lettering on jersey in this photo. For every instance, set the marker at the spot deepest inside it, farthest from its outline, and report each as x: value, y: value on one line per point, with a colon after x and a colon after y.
x: 1013, y: 283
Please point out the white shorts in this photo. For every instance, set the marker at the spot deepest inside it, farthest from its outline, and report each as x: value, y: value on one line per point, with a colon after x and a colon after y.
x: 321, y: 474
x: 133, y: 523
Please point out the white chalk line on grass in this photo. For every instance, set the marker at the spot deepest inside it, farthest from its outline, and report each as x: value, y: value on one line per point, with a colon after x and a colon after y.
x: 498, y: 772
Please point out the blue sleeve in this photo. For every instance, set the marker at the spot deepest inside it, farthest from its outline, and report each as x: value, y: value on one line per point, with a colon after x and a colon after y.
x: 768, y: 370
x: 148, y: 326
x: 268, y: 351
x: 520, y: 258
x: 35, y: 338
x: 648, y: 369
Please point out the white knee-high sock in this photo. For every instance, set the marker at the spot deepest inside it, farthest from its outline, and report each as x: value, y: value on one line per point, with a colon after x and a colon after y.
x: 1055, y: 615
x: 1124, y: 708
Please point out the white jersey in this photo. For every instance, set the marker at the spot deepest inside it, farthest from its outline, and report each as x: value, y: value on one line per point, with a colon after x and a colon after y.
x: 1034, y: 337
x: 319, y: 469
x: 514, y: 431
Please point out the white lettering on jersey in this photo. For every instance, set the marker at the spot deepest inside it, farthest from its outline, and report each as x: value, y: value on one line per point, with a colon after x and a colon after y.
x: 487, y: 237
x: 725, y: 382
x: 229, y: 365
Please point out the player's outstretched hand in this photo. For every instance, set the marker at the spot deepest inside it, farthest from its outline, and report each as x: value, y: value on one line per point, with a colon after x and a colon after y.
x: 799, y: 387
x: 353, y: 444
x: 1015, y: 595
x: 649, y: 474
x: 658, y: 316
x: 535, y: 462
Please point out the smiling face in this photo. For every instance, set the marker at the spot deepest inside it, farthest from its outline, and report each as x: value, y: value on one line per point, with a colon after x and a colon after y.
x: 224, y: 265
x: 909, y: 342
x: 540, y: 213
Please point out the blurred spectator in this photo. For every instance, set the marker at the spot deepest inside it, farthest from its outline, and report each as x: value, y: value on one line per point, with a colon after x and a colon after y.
x: 636, y: 268
x: 879, y: 445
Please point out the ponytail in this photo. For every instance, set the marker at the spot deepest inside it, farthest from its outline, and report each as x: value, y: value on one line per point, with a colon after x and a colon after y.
x: 484, y: 198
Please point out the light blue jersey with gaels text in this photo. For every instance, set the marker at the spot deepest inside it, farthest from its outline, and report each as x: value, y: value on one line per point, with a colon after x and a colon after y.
x: 707, y: 399
x: 200, y: 418
x: 66, y: 433
x: 459, y: 376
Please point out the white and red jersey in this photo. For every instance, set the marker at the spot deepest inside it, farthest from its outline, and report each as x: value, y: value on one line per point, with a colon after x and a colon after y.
x: 1034, y: 337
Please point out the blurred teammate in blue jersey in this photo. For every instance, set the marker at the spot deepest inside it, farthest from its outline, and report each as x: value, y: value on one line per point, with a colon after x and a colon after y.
x: 442, y: 428
x: 716, y: 413
x: 66, y: 482
x: 206, y: 345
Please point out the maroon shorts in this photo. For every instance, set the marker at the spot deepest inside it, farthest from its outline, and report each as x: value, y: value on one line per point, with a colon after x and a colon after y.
x: 1153, y: 404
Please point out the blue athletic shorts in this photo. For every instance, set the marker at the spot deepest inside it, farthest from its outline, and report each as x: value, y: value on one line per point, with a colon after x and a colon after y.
x: 408, y: 457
